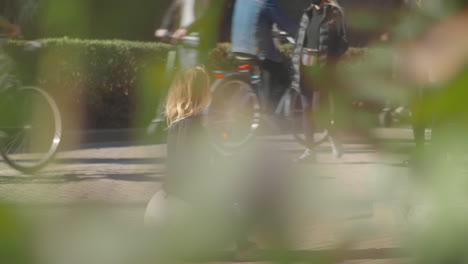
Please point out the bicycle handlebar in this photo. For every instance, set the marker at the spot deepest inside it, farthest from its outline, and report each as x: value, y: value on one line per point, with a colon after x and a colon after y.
x: 191, y: 40
x: 283, y: 35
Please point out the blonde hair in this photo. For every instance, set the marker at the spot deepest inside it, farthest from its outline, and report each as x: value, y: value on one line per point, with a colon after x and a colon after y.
x: 188, y: 95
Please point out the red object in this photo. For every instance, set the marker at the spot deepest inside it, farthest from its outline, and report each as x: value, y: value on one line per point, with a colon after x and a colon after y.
x: 219, y: 76
x: 244, y: 67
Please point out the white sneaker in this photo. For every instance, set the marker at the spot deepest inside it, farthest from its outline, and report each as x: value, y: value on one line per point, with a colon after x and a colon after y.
x: 336, y: 146
x: 308, y: 156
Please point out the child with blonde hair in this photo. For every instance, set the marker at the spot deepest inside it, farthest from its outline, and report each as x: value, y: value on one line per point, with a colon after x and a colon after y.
x: 195, y: 194
x: 188, y: 96
x: 211, y: 195
x: 188, y: 148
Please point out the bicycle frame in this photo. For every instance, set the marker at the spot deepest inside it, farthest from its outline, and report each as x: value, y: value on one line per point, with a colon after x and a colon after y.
x: 30, y: 123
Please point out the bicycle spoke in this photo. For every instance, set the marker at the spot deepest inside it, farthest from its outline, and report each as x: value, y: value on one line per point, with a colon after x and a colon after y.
x: 31, y: 147
x: 13, y: 142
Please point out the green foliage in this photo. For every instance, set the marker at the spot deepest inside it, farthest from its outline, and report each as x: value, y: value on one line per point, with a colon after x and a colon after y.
x: 15, y: 237
x: 100, y: 78
x: 96, y: 19
x: 113, y: 83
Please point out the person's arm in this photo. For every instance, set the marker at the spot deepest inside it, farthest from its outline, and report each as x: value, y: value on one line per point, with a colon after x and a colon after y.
x: 189, y: 19
x: 343, y: 40
x: 209, y: 9
x: 208, y: 15
x: 282, y: 21
x: 342, y: 45
x: 168, y: 20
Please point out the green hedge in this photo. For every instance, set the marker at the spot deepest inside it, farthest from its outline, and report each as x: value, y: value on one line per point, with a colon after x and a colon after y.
x: 98, y: 83
x: 105, y: 84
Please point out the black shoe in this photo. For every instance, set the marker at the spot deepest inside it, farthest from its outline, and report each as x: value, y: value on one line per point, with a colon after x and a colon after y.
x: 308, y: 156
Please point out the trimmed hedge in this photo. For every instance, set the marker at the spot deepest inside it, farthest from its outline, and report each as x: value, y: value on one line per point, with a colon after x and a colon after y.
x: 106, y: 83
x: 102, y: 80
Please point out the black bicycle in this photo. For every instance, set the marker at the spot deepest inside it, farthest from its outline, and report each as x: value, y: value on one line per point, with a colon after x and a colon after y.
x: 237, y: 113
x: 30, y: 122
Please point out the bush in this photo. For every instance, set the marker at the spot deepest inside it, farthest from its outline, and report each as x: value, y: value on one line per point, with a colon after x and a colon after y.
x: 102, y: 79
x: 106, y: 83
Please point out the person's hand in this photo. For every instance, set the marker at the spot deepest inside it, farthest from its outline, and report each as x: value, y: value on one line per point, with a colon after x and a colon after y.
x: 180, y: 33
x: 160, y: 33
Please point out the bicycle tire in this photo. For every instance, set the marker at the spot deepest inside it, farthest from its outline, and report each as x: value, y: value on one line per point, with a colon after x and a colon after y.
x: 233, y: 116
x: 34, y: 137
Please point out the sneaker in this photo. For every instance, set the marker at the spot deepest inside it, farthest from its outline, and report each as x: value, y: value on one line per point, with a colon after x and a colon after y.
x: 336, y: 146
x: 308, y: 156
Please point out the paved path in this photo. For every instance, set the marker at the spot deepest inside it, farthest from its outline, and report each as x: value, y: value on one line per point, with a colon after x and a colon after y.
x: 125, y: 177
x: 128, y: 174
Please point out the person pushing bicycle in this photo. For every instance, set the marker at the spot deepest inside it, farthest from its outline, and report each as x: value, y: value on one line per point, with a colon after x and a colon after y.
x: 30, y: 119
x: 252, y: 36
x: 320, y: 43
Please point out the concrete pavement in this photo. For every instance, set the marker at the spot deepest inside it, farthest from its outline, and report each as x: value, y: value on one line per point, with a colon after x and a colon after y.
x: 125, y: 176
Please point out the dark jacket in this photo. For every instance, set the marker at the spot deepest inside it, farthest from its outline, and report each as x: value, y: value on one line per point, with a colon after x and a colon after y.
x: 189, y: 156
x: 332, y: 40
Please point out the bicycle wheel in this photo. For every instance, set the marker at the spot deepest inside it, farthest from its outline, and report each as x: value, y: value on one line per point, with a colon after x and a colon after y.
x: 234, y: 114
x: 34, y: 133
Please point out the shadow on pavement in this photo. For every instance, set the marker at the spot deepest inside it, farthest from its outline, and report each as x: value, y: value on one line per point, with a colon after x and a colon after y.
x: 110, y: 161
x: 398, y: 164
x: 74, y: 177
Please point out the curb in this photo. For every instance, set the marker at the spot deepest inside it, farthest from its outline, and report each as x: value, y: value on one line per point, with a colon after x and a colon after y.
x: 104, y: 136
x: 397, y: 135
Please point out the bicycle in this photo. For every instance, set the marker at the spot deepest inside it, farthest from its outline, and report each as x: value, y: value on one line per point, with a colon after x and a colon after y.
x: 236, y: 113
x: 30, y: 122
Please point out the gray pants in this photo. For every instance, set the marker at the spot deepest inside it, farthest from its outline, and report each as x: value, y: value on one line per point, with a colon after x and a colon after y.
x: 188, y: 57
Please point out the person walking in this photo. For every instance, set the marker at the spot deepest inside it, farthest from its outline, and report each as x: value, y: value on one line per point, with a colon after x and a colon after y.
x: 320, y: 43
x: 207, y: 22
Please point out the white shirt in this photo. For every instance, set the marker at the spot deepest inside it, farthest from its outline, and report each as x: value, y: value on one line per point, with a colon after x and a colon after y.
x: 188, y: 14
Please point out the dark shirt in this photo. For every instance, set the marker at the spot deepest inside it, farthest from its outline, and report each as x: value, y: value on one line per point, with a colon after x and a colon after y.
x: 189, y: 156
x: 313, y: 30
